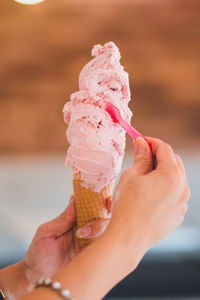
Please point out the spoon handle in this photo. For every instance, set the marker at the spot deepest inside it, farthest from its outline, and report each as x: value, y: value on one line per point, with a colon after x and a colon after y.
x: 132, y: 131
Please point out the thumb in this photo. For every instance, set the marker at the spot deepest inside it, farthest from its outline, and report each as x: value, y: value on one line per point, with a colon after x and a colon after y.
x: 93, y: 229
x: 143, y: 157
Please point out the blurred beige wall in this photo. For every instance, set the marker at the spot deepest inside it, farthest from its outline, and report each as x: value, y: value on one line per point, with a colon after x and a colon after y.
x: 44, y: 47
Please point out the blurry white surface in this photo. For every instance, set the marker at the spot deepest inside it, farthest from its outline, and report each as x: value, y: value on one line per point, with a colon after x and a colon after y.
x: 34, y: 190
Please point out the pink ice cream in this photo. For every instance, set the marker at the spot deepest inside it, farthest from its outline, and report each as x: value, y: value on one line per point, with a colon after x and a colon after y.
x: 97, y: 144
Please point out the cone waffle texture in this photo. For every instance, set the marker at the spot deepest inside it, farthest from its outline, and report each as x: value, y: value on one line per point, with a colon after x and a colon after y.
x: 89, y: 205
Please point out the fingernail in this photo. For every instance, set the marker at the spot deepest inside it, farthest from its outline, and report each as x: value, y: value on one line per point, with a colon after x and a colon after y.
x: 83, y: 232
x: 141, y: 146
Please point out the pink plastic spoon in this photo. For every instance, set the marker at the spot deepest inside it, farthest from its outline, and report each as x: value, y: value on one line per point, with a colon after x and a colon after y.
x: 116, y: 116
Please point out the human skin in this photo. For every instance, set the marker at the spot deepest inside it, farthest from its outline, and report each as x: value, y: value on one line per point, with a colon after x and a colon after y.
x: 54, y: 245
x: 163, y: 192
x: 148, y: 205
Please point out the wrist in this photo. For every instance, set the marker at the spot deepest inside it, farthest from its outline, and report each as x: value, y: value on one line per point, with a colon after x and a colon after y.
x: 133, y: 243
x: 14, y: 282
x: 25, y: 285
x: 97, y: 263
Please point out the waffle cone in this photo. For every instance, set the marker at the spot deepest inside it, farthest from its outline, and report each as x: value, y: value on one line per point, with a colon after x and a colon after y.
x: 89, y: 205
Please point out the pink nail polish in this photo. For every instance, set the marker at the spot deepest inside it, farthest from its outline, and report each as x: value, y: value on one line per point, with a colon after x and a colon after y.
x: 83, y: 232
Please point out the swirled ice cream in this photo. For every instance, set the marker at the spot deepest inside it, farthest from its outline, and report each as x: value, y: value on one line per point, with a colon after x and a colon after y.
x: 96, y: 143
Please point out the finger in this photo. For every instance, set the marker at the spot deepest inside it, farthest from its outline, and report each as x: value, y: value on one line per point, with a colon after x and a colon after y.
x: 143, y: 157
x: 181, y: 167
x: 179, y: 212
x: 60, y: 224
x: 186, y: 192
x: 76, y: 241
x: 109, y: 204
x: 165, y: 156
x: 93, y: 229
x: 185, y: 209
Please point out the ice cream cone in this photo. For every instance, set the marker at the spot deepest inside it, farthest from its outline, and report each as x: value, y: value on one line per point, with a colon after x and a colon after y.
x: 89, y: 205
x: 96, y: 143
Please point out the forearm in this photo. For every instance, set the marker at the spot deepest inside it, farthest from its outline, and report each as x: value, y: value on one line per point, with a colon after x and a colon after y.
x: 13, y: 281
x: 96, y: 270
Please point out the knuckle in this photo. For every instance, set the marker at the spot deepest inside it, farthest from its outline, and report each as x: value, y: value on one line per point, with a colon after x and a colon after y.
x: 173, y: 175
x: 179, y: 158
x: 174, y: 182
x: 175, y: 170
x: 181, y: 219
x: 168, y: 147
x: 188, y: 192
x: 185, y: 208
x: 147, y: 162
x: 41, y: 228
x: 180, y: 216
x: 180, y: 178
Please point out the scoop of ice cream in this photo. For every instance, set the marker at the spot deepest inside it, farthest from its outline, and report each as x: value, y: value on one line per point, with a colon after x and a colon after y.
x: 105, y: 74
x: 96, y: 143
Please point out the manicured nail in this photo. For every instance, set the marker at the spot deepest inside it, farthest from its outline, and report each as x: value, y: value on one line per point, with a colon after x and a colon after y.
x: 83, y: 232
x: 141, y: 146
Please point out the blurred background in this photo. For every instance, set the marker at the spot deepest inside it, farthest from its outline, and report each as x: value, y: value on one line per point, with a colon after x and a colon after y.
x: 43, y: 48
